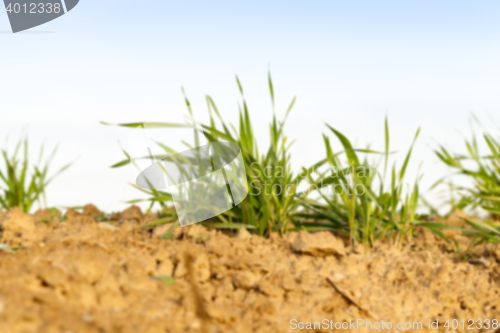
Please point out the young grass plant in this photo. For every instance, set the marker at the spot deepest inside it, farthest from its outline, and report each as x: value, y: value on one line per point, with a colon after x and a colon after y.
x: 362, y: 204
x: 273, y: 198
x: 484, y: 172
x: 21, y: 187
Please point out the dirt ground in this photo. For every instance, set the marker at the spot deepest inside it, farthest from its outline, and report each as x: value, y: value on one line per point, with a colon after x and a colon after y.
x: 88, y: 276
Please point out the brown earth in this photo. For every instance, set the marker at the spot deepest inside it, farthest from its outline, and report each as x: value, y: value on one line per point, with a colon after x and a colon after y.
x: 85, y: 276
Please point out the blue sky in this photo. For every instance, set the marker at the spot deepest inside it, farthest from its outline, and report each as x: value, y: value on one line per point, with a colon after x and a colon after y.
x: 424, y: 63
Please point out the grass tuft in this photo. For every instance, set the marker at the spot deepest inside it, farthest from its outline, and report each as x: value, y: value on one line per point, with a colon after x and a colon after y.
x: 24, y: 185
x: 361, y: 202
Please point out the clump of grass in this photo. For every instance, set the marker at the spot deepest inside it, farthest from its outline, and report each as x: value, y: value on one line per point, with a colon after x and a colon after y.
x: 273, y: 199
x: 485, y: 174
x: 362, y: 203
x: 23, y: 184
x: 484, y: 171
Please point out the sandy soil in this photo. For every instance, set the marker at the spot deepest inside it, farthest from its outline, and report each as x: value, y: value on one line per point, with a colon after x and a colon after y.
x: 93, y: 277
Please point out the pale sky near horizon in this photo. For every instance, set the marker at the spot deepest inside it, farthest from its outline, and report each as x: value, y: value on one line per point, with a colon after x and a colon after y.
x: 423, y: 63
